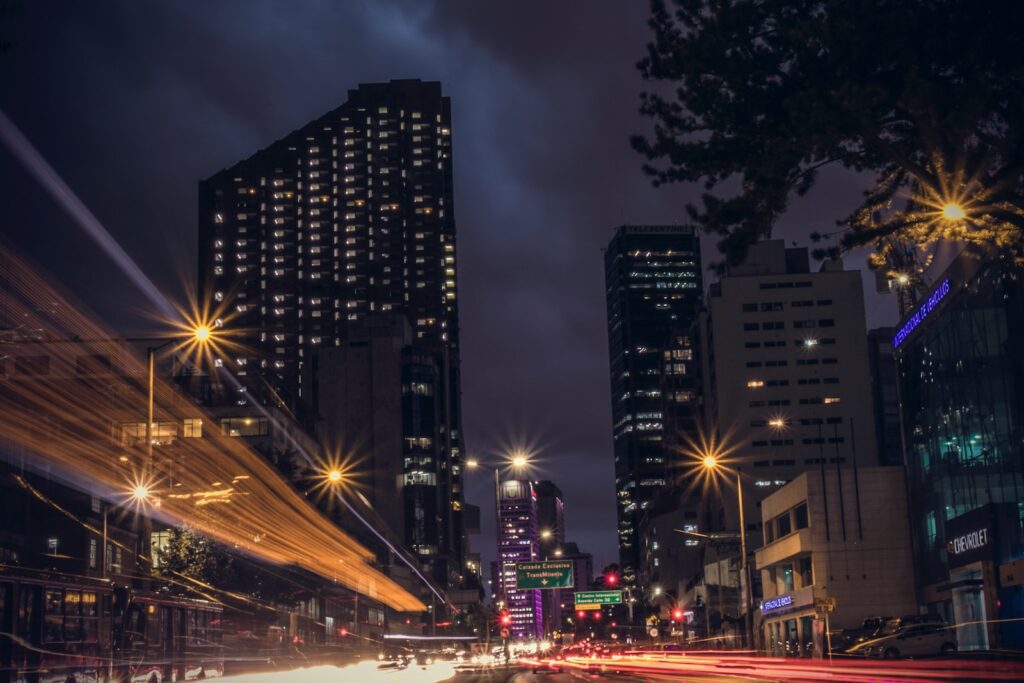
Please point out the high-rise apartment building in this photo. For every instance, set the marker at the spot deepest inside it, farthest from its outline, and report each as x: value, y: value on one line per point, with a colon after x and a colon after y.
x: 518, y: 541
x: 785, y: 368
x: 349, y: 216
x: 653, y: 287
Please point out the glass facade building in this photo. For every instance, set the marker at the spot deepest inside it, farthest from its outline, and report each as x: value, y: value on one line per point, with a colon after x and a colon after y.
x: 961, y: 376
x: 653, y: 288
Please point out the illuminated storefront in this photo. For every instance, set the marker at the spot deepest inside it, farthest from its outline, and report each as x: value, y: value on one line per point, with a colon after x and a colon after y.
x: 962, y: 409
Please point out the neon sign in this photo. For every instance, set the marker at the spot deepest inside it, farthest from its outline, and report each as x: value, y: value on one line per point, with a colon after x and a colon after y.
x: 921, y: 313
x: 776, y: 604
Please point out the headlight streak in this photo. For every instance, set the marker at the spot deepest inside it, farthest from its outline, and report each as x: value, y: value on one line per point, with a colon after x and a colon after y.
x: 65, y: 417
x: 363, y: 672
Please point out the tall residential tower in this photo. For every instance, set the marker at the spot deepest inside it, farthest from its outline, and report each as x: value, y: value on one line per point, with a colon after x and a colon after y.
x: 348, y: 217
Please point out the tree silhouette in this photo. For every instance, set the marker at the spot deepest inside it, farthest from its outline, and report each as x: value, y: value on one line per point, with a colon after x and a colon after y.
x: 927, y: 96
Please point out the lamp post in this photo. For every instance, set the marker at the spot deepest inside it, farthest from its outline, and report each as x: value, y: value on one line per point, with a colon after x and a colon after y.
x: 711, y: 464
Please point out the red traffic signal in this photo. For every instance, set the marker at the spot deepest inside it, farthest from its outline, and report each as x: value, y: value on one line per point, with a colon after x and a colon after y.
x: 611, y: 579
x: 677, y: 614
x: 581, y: 614
x: 505, y: 619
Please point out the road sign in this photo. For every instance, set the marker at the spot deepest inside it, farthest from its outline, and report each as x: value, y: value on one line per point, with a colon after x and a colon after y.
x: 542, y: 575
x: 824, y: 604
x: 653, y: 633
x: 586, y: 606
x: 599, y: 597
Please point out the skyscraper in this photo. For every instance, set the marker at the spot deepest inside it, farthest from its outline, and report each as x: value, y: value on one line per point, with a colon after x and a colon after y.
x: 653, y: 287
x: 518, y: 541
x: 349, y: 216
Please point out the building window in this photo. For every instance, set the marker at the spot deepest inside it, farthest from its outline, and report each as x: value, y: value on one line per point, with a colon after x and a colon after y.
x: 51, y: 545
x: 800, y: 516
x: 93, y: 552
x: 193, y: 428
x: 245, y: 426
x: 785, y: 575
x: 784, y: 525
x: 804, y: 566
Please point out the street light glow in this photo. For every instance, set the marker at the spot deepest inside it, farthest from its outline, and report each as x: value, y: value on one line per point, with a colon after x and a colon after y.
x: 334, y: 476
x: 140, y: 493
x: 202, y: 333
x: 710, y: 462
x: 520, y: 461
x: 952, y: 211
x: 472, y: 464
x: 546, y: 533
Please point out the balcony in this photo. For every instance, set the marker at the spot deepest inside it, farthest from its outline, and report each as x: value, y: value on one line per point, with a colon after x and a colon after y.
x: 796, y: 543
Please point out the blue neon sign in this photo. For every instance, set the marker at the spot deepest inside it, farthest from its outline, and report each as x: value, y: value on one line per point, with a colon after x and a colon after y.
x: 927, y: 307
x: 776, y: 604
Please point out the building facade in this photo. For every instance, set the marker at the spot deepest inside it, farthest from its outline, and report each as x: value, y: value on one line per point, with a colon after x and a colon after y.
x: 653, y: 288
x: 962, y: 409
x: 882, y: 362
x: 349, y: 216
x: 829, y: 537
x: 785, y: 368
x: 518, y: 541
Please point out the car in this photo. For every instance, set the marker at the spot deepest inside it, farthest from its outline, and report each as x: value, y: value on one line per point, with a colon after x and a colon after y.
x: 918, y: 638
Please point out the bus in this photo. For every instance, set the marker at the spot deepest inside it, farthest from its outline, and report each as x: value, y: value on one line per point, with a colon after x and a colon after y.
x: 59, y: 628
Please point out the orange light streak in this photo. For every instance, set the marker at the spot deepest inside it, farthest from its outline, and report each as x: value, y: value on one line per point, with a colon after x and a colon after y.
x: 68, y: 417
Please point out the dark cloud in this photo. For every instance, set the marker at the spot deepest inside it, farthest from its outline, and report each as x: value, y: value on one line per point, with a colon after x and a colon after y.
x: 134, y: 102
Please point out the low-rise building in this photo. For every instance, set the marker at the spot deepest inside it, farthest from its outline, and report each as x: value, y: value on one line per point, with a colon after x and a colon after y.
x: 836, y: 551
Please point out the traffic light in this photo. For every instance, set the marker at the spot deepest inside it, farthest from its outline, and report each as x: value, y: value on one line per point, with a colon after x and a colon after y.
x: 611, y: 579
x: 581, y: 614
x: 677, y: 614
x: 505, y: 619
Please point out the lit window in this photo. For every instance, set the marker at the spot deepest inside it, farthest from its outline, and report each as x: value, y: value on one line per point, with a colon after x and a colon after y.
x: 832, y: 399
x: 755, y: 383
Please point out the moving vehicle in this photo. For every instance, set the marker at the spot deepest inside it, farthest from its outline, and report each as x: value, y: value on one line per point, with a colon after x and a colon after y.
x: 911, y: 636
x: 56, y: 628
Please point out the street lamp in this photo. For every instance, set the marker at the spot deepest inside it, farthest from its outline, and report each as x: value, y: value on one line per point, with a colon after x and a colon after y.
x: 952, y: 211
x: 711, y: 465
x: 201, y: 334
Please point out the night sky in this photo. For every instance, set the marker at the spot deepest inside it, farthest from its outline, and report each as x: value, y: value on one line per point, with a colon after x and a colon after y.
x: 134, y: 102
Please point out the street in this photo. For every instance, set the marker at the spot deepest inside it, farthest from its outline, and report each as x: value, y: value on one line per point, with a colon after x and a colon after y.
x: 696, y: 668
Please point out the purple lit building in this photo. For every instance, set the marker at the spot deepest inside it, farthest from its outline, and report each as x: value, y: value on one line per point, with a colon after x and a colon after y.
x: 519, y: 541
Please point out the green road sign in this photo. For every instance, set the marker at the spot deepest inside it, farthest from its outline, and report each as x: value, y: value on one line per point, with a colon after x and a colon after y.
x: 598, y: 597
x: 551, y: 574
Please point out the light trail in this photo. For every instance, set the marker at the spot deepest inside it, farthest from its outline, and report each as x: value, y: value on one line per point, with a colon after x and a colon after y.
x: 363, y: 672
x: 697, y: 663
x: 70, y: 416
x: 51, y: 181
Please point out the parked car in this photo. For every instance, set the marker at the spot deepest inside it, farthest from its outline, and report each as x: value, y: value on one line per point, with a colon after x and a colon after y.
x: 910, y: 638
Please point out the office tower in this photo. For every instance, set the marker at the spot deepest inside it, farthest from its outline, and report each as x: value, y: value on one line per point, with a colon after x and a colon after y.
x: 518, y: 542
x: 787, y: 382
x: 962, y: 410
x: 551, y: 537
x: 348, y: 216
x: 653, y: 287
x: 550, y: 517
x: 885, y: 396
